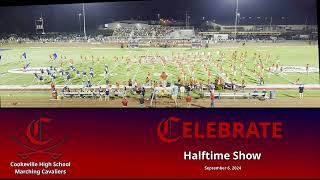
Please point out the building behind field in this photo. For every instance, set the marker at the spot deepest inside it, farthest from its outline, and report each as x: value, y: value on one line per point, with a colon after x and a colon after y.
x: 289, y: 32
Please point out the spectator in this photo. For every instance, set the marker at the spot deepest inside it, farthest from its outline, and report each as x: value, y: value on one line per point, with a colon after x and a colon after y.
x: 212, y: 97
x: 182, y: 90
x: 301, y: 91
x: 141, y: 101
x: 175, y: 92
x: 107, y: 94
x: 188, y: 90
x: 124, y: 102
x: 143, y: 92
x: 188, y: 99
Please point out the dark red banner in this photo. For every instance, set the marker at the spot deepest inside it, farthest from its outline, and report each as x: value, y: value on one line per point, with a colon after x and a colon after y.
x: 159, y: 143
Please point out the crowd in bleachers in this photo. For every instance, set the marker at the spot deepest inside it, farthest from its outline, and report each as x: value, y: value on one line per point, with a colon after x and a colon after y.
x: 151, y: 31
x: 50, y: 38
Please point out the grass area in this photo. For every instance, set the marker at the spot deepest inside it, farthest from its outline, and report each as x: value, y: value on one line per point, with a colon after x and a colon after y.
x: 122, y: 70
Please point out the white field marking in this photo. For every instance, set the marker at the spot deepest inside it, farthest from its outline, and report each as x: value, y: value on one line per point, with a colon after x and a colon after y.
x: 217, y: 71
x: 247, y: 72
x: 57, y: 47
x: 109, y: 72
x: 135, y: 74
x: 10, y: 79
x: 128, y: 66
x: 133, y: 51
x: 249, y: 86
x: 159, y: 74
x: 281, y: 75
x: 188, y: 66
x: 310, y: 76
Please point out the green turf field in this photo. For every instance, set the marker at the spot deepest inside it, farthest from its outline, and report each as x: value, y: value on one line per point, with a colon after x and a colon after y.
x: 121, y: 71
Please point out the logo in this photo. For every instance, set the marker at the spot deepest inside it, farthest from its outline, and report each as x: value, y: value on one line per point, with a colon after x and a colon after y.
x: 37, y: 143
x: 174, y: 129
x: 164, y: 130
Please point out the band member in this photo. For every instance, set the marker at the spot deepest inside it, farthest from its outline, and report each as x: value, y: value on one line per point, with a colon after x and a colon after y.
x: 36, y: 77
x: 50, y: 57
x: 84, y: 74
x: 53, y: 77
x: 261, y: 79
x: 53, y: 87
x: 269, y: 72
x: 243, y: 84
x: 148, y: 80
x: 72, y: 67
x: 130, y: 83
x: 84, y: 85
x: 68, y: 76
x: 106, y: 68
x: 91, y: 72
x: 41, y: 79
x: 25, y: 67
x: 78, y: 73
x: 61, y: 72
x: 48, y: 71
x: 89, y: 85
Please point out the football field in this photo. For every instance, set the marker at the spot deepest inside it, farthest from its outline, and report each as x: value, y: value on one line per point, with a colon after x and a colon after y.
x: 128, y: 66
x: 137, y: 64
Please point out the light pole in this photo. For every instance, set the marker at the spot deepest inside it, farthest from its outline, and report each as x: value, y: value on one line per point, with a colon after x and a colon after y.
x: 84, y: 21
x: 186, y: 19
x: 80, y: 21
x: 159, y: 18
x: 235, y: 25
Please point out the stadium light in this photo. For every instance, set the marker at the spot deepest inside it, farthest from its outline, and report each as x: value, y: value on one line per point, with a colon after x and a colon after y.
x: 79, y: 14
x: 84, y: 21
x: 236, y: 21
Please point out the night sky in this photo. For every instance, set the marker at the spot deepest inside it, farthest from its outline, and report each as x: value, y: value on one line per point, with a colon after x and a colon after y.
x: 64, y: 18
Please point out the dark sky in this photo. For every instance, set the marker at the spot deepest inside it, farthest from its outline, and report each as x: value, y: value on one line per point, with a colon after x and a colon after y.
x: 64, y: 18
